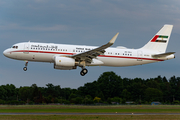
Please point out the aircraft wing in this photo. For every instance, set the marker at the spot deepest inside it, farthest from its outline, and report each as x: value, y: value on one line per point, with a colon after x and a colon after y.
x: 89, y: 55
x: 163, y: 54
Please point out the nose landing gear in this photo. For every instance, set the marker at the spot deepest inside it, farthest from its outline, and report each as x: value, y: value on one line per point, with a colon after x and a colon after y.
x: 25, y: 68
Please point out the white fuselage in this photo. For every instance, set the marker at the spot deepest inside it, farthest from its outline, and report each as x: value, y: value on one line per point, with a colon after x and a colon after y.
x: 67, y: 57
x: 45, y: 52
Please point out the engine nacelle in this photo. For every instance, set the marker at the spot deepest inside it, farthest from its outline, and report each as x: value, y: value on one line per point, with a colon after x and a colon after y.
x: 64, y: 68
x: 64, y: 62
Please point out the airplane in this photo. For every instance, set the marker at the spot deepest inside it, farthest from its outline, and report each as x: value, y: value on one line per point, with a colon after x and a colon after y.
x: 68, y: 57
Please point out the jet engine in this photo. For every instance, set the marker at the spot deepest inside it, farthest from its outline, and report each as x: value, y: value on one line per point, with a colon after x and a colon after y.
x: 64, y: 63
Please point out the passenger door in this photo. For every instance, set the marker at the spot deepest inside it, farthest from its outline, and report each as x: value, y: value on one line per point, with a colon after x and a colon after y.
x: 26, y: 48
x: 139, y: 55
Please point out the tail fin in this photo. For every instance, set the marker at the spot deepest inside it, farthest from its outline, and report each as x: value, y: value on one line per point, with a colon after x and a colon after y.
x: 160, y: 41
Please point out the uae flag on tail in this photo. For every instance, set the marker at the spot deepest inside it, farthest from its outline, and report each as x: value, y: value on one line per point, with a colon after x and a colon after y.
x: 160, y: 38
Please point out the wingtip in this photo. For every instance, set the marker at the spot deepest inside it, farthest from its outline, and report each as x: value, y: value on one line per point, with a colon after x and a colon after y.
x: 114, y: 38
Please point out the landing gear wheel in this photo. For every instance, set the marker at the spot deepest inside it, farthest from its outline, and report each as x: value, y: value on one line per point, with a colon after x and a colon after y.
x: 84, y: 71
x: 25, y: 68
x: 81, y: 73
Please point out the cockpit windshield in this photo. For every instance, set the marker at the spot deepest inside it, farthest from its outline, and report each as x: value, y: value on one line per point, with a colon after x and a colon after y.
x: 15, y: 47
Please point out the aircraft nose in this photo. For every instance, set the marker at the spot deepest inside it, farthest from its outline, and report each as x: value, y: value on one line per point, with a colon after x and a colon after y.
x: 5, y: 53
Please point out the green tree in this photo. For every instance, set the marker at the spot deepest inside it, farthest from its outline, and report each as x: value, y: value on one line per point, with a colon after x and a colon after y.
x: 153, y: 94
x: 50, y: 90
x: 90, y: 89
x: 87, y: 100
x: 65, y: 93
x: 3, y: 92
x: 126, y: 95
x: 36, y: 95
x: 117, y: 100
x: 25, y: 93
x: 110, y: 84
x: 153, y: 84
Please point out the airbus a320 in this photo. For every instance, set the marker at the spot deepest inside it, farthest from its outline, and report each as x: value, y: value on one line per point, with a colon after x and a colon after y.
x: 68, y: 57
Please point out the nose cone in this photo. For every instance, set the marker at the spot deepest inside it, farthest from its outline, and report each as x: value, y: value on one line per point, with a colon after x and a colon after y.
x: 5, y: 53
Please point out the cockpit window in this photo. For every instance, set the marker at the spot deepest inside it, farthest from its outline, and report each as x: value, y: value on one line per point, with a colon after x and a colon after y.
x: 15, y: 47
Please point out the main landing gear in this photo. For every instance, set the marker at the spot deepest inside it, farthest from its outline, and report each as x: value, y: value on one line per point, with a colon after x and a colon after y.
x: 25, y: 68
x: 83, y: 72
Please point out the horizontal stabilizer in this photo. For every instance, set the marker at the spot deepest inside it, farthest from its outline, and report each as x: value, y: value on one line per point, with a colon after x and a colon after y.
x: 163, y: 54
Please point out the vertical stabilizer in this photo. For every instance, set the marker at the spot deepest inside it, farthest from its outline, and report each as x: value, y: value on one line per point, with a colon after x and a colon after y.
x: 160, y: 41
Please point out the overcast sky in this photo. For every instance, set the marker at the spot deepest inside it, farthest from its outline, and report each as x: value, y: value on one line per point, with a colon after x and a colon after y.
x: 85, y: 22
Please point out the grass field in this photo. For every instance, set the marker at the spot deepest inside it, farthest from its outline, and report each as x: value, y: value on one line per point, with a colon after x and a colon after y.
x: 89, y: 109
x: 89, y: 117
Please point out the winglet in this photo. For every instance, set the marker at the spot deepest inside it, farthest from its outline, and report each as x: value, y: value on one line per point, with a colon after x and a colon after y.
x: 114, y: 38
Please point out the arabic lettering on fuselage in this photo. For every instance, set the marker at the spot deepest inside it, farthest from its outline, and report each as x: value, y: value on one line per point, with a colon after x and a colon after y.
x: 45, y: 46
x: 56, y: 47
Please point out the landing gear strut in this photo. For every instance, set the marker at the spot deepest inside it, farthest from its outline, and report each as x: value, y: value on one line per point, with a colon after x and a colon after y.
x: 25, y: 68
x: 84, y: 71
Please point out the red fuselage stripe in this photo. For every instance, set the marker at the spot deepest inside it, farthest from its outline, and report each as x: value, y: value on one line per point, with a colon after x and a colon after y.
x: 98, y: 56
